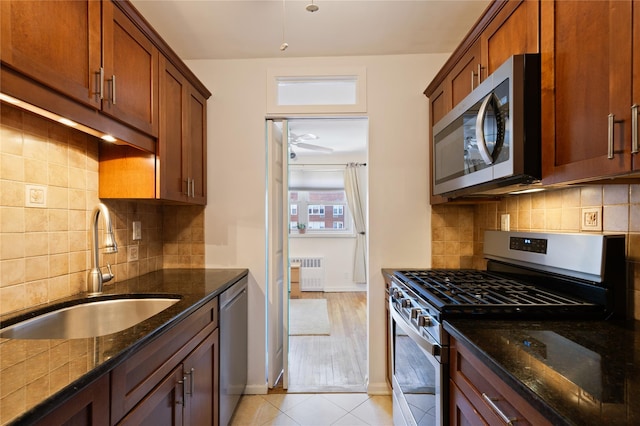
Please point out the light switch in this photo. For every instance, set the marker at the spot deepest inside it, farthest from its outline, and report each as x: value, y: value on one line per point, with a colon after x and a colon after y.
x: 137, y: 231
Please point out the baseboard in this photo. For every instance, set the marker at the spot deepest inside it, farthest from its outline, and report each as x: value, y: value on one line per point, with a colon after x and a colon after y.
x: 256, y: 389
x: 378, y: 389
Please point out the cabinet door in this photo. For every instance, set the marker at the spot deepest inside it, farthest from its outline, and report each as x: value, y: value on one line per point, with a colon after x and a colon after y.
x: 172, y: 158
x: 182, y: 142
x: 162, y: 406
x: 201, y: 370
x: 462, y: 412
x: 56, y: 43
x: 467, y: 74
x: 513, y: 31
x: 197, y: 145
x: 130, y: 72
x: 636, y: 75
x: 90, y: 407
x: 586, y: 52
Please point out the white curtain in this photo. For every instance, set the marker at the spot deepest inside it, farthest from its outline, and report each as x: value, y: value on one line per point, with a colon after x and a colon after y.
x: 355, y: 199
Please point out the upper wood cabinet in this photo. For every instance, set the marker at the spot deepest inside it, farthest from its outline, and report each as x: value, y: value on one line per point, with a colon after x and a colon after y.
x: 130, y: 72
x: 182, y: 144
x: 89, y: 51
x: 587, y: 52
x: 177, y: 171
x: 69, y: 65
x: 506, y: 28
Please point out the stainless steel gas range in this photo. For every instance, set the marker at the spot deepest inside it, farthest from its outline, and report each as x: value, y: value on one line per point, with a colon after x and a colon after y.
x: 529, y: 276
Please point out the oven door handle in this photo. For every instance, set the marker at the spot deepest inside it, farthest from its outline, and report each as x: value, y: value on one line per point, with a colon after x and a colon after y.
x: 429, y: 346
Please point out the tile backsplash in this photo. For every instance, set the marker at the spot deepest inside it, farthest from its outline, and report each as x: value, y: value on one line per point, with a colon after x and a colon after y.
x: 458, y: 230
x: 48, y: 190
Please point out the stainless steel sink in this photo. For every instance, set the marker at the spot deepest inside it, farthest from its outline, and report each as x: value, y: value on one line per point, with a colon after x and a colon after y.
x: 89, y: 319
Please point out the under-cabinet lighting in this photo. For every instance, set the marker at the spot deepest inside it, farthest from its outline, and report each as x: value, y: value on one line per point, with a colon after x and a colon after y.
x: 55, y: 117
x: 67, y: 122
x: 527, y: 191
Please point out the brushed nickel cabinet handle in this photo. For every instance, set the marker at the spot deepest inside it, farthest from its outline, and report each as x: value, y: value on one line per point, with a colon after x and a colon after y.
x: 100, y: 83
x: 479, y: 74
x: 184, y: 396
x: 634, y: 129
x: 473, y: 75
x: 611, y: 121
x: 113, y: 89
x: 188, y: 191
x: 191, y: 381
x: 494, y: 407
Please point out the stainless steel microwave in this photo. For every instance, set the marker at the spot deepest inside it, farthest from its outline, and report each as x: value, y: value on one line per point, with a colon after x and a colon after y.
x: 490, y: 143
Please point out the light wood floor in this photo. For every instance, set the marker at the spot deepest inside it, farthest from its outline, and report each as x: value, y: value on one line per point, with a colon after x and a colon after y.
x: 334, y: 363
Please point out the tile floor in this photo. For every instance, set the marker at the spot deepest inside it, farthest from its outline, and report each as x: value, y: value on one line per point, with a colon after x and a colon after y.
x: 304, y: 409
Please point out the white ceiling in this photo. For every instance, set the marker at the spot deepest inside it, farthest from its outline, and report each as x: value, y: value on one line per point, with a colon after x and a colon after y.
x: 244, y: 29
x: 235, y: 29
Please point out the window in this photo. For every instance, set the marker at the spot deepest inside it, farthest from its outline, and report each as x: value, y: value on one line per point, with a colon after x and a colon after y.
x: 317, y: 90
x: 294, y: 209
x: 322, y: 210
x: 316, y: 210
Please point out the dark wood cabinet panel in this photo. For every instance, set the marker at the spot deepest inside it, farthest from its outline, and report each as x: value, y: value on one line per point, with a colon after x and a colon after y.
x: 162, y: 406
x: 636, y: 81
x: 485, y: 394
x: 515, y: 30
x: 88, y: 408
x: 71, y: 62
x: 132, y: 380
x: 466, y: 75
x: 130, y: 72
x: 201, y: 370
x: 586, y: 95
x: 461, y: 411
x: 182, y: 143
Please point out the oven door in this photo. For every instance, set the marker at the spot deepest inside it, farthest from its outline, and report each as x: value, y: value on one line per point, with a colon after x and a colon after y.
x: 420, y: 380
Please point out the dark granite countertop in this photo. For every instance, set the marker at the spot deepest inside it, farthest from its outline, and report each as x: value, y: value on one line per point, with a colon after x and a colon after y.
x: 38, y: 375
x: 573, y: 372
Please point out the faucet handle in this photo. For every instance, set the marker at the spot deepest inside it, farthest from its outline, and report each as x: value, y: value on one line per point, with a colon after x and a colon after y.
x: 108, y: 276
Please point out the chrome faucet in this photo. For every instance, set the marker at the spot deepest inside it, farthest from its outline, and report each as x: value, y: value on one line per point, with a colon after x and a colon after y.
x: 96, y: 278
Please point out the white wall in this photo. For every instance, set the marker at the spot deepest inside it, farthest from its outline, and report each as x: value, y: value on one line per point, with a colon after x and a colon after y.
x: 338, y: 254
x: 399, y: 212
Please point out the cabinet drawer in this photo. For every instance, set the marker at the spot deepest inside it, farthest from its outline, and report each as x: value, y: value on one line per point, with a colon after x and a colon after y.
x: 493, y: 399
x: 137, y: 376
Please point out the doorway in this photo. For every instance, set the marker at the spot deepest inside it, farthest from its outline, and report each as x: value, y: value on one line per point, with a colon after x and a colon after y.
x: 322, y: 244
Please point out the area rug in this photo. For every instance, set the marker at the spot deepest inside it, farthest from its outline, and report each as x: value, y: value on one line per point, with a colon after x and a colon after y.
x: 308, y: 317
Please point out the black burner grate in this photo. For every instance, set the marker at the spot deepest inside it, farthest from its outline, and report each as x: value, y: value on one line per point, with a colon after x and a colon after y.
x: 456, y: 288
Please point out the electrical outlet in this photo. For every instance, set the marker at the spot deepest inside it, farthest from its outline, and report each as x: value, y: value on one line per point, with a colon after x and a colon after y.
x: 591, y: 219
x: 132, y: 253
x: 137, y: 230
x: 505, y: 222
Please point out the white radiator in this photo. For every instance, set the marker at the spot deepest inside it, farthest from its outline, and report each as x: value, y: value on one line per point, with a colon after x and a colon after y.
x: 311, y: 273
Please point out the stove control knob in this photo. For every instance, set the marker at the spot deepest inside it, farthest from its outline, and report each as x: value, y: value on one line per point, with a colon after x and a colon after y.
x: 415, y: 312
x: 424, y: 320
x: 397, y: 294
x: 406, y: 303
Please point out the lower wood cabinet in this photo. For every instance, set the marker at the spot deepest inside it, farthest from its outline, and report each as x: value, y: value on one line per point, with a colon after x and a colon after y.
x: 187, y: 396
x: 88, y: 408
x: 479, y: 396
x: 174, y: 377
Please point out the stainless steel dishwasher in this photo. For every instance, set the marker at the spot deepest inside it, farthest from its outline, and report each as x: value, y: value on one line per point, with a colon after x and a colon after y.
x: 233, y: 348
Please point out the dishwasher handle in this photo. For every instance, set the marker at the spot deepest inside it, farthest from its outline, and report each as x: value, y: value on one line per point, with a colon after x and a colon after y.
x: 232, y: 293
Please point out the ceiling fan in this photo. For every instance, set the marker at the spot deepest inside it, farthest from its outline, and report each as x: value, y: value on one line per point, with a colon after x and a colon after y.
x: 299, y: 141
